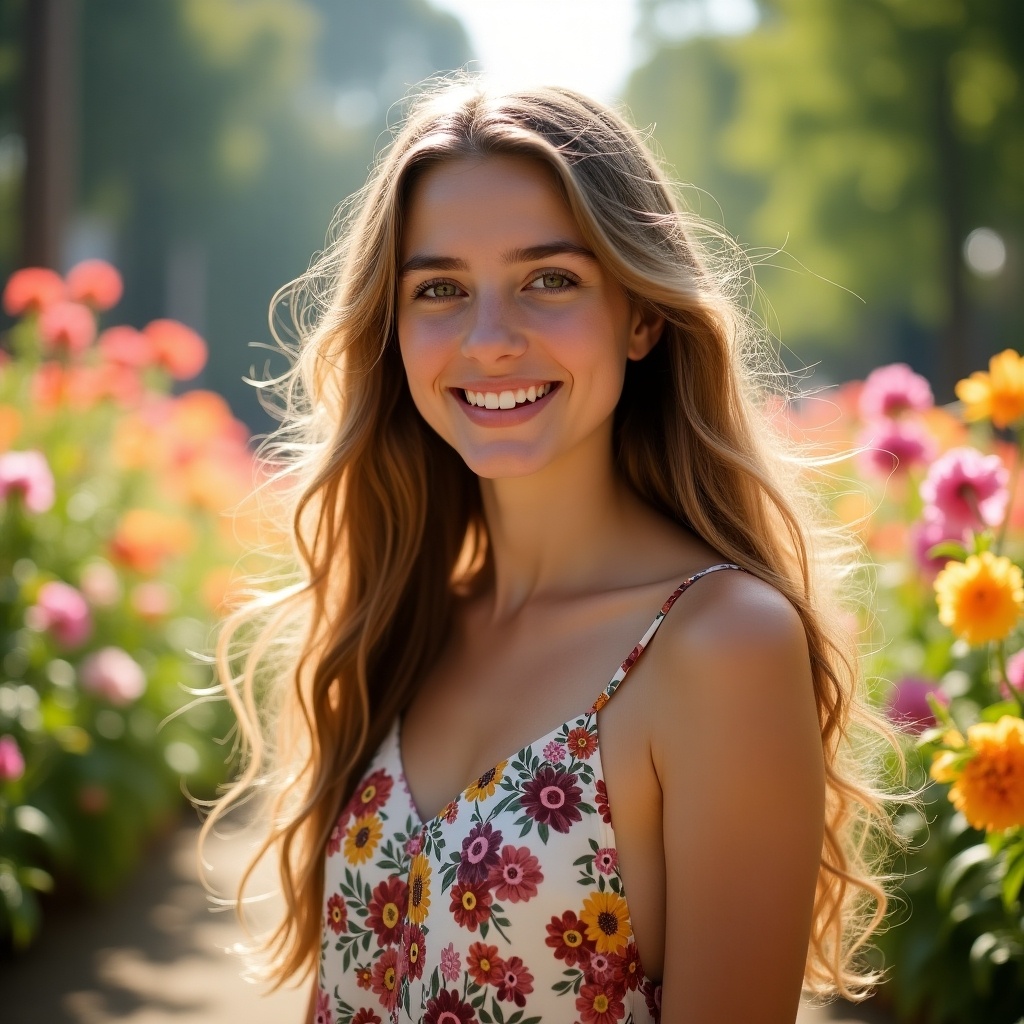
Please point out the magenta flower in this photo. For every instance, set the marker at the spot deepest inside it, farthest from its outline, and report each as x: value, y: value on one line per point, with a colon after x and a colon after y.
x: 907, y: 704
x: 27, y: 474
x: 114, y: 675
x: 12, y: 763
x: 61, y: 611
x: 451, y: 966
x: 924, y: 535
x: 893, y: 390
x: 554, y: 752
x: 966, y: 489
x: 894, y: 446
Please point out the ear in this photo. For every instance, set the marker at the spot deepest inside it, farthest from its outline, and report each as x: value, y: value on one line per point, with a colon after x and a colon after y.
x: 645, y: 332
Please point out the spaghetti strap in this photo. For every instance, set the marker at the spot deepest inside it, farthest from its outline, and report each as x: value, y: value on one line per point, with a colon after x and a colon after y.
x: 606, y: 693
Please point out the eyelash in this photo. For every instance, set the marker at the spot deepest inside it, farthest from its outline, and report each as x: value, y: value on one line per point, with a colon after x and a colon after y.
x: 572, y: 280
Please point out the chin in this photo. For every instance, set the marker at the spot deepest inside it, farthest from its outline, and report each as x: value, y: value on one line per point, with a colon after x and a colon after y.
x: 504, y: 465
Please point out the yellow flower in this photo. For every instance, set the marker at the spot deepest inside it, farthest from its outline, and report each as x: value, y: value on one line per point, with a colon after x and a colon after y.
x: 362, y: 838
x: 990, y: 789
x: 607, y: 921
x: 487, y: 783
x: 980, y: 599
x: 419, y: 889
x: 997, y: 395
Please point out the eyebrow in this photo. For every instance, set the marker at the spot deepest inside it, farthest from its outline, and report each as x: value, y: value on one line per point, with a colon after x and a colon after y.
x: 431, y: 261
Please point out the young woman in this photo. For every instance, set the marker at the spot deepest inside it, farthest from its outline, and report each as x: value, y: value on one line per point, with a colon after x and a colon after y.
x: 526, y: 456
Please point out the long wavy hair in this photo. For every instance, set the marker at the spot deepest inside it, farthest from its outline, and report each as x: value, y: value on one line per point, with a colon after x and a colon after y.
x: 386, y: 525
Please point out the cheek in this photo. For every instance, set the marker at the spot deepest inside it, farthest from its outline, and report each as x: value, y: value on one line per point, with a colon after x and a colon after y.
x: 424, y: 361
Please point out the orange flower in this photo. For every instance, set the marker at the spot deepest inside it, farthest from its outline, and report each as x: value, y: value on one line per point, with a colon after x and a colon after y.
x: 990, y: 789
x: 607, y: 921
x: 997, y: 395
x: 980, y: 599
x: 145, y: 539
x: 96, y: 283
x: 178, y: 349
x: 31, y: 290
x: 10, y: 426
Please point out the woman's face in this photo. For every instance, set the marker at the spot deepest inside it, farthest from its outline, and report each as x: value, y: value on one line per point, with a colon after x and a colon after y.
x: 514, y: 338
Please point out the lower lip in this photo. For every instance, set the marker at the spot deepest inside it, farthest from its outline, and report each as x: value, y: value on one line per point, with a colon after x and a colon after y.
x: 504, y: 417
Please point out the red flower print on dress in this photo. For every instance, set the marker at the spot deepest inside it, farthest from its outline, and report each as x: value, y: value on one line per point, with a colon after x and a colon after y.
x: 566, y: 936
x: 627, y: 969
x: 371, y: 795
x: 552, y: 798
x: 365, y: 1016
x: 605, y: 861
x: 323, y: 1008
x: 470, y: 905
x: 581, y: 743
x: 414, y: 844
x: 451, y: 967
x: 602, y: 802
x: 598, y: 1003
x: 386, y: 910
x: 337, y: 914
x: 599, y: 967
x: 484, y: 965
x: 652, y: 994
x: 632, y: 656
x: 385, y: 979
x: 336, y: 836
x: 479, y: 852
x: 516, y: 982
x: 448, y: 1008
x: 516, y: 875
x: 450, y: 812
x: 364, y: 977
x: 413, y: 948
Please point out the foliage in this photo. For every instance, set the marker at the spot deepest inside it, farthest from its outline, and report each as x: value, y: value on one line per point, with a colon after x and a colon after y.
x: 943, y: 518
x: 114, y: 558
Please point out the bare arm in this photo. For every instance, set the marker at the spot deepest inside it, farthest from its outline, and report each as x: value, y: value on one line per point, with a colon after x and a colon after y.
x: 738, y: 751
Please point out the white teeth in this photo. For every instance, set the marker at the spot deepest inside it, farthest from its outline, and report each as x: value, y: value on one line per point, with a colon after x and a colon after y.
x: 506, y: 399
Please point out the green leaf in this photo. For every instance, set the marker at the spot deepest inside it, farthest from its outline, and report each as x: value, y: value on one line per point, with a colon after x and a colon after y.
x: 956, y: 869
x: 948, y: 549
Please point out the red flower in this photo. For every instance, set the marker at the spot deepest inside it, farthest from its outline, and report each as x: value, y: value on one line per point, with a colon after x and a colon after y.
x: 385, y: 979
x: 581, y: 743
x: 451, y: 811
x: 484, y: 964
x: 552, y: 798
x: 627, y: 969
x: 567, y: 936
x: 516, y: 875
x: 31, y: 290
x: 605, y: 860
x: 96, y: 283
x: 516, y: 982
x: 69, y: 326
x: 479, y: 853
x: 448, y: 1008
x: 387, y: 909
x: 365, y: 1016
x: 125, y: 346
x: 323, y: 1008
x: 336, y: 836
x: 413, y: 946
x: 177, y: 348
x: 470, y: 904
x: 652, y: 994
x: 602, y: 802
x: 599, y: 1004
x: 337, y: 914
x: 600, y: 967
x: 364, y: 977
x: 372, y: 794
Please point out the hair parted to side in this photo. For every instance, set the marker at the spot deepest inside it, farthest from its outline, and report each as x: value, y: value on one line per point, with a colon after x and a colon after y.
x: 386, y: 524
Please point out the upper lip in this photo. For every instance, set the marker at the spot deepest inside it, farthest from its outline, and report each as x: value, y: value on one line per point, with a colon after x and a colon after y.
x: 505, y: 384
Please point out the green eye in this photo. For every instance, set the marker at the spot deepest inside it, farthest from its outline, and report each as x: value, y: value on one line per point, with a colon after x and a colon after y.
x: 555, y: 280
x: 444, y: 290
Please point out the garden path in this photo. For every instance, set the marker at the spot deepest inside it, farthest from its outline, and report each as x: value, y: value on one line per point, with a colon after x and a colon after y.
x: 155, y: 956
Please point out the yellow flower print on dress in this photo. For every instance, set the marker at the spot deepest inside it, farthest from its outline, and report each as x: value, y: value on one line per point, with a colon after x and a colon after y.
x: 607, y: 920
x: 419, y: 889
x: 486, y: 785
x: 362, y: 838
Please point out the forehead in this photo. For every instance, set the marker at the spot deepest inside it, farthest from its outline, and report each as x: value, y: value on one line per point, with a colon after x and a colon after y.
x: 480, y: 200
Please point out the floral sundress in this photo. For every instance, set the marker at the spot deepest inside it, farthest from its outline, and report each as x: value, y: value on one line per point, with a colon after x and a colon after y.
x: 505, y: 908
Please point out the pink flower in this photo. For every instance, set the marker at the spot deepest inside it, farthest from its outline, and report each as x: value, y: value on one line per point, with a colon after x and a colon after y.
x: 516, y: 875
x: 605, y: 861
x: 966, y: 490
x: 414, y: 844
x: 924, y: 535
x: 554, y: 752
x: 152, y: 600
x: 96, y: 283
x: 125, y: 346
x: 12, y: 763
x: 114, y: 675
x: 894, y: 446
x: 451, y: 967
x: 28, y: 474
x: 892, y: 390
x: 31, y: 290
x: 61, y: 610
x: 322, y: 1014
x: 177, y: 348
x: 67, y: 325
x: 907, y: 705
x: 1015, y: 673
x: 100, y: 584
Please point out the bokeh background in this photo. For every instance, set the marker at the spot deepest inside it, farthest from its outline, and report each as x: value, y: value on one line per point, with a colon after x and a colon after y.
x: 869, y: 154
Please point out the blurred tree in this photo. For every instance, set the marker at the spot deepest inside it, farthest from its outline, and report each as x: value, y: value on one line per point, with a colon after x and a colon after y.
x: 868, y: 138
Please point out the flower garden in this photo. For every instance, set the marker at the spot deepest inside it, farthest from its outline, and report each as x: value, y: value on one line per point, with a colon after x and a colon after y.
x: 116, y: 557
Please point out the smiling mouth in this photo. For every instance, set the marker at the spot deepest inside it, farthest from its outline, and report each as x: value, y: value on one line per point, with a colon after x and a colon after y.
x: 506, y: 399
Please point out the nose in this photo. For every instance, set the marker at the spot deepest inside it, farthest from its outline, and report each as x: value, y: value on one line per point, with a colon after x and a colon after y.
x: 492, y: 331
